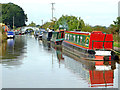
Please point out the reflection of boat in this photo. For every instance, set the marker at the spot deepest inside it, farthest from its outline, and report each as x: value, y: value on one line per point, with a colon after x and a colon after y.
x: 10, y: 42
x: 46, y: 44
x: 97, y: 73
x: 88, y: 45
x: 59, y: 53
x: 14, y: 49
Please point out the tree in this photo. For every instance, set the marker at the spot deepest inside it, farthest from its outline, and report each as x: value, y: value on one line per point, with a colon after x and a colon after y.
x: 32, y: 24
x: 10, y: 11
x: 117, y: 24
x: 87, y: 28
x: 70, y: 22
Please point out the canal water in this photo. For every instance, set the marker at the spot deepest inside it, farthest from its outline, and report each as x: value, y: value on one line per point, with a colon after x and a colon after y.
x: 30, y: 63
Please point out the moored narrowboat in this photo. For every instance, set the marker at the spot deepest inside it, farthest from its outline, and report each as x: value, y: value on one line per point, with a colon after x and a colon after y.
x: 47, y: 35
x: 89, y: 45
x: 58, y: 37
x: 10, y: 34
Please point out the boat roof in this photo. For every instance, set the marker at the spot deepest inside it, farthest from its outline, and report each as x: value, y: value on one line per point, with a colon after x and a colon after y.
x: 78, y: 32
x: 10, y: 31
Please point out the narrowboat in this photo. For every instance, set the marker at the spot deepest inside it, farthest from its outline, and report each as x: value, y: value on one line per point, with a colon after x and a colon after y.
x: 88, y: 45
x: 58, y: 37
x: 10, y: 34
x: 41, y: 34
x: 47, y: 35
x: 36, y: 33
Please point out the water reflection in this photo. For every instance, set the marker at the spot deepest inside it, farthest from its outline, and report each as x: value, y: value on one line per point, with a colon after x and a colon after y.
x: 12, y: 50
x: 46, y: 65
x: 10, y: 43
x: 96, y: 73
x: 46, y: 44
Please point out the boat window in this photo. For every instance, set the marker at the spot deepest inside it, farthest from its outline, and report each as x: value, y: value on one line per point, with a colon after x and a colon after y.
x: 68, y: 36
x: 81, y: 39
x: 74, y: 38
x: 65, y: 36
x: 87, y: 42
x: 59, y: 35
x: 77, y: 39
x: 62, y: 36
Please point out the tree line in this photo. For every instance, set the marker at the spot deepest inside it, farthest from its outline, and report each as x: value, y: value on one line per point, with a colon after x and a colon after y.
x: 70, y: 23
x: 10, y: 11
x: 13, y: 14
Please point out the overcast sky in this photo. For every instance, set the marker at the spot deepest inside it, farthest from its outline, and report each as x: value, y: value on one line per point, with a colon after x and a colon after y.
x: 93, y: 12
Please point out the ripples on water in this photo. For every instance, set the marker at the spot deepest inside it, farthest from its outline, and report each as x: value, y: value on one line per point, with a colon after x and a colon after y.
x: 29, y: 63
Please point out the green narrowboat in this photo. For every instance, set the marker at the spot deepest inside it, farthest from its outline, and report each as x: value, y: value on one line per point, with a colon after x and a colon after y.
x: 58, y: 37
x: 95, y: 45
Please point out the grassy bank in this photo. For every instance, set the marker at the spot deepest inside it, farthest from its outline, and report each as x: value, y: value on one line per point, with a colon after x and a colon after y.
x: 116, y: 44
x: 3, y: 37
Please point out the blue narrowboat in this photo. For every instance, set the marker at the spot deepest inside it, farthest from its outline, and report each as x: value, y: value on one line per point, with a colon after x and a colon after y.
x: 10, y: 34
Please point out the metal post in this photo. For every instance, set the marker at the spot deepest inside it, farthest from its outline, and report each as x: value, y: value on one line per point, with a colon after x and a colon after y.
x: 52, y: 9
x: 42, y: 21
x: 13, y: 22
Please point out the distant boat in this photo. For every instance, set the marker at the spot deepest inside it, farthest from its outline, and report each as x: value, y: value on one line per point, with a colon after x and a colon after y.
x: 41, y: 33
x: 10, y: 34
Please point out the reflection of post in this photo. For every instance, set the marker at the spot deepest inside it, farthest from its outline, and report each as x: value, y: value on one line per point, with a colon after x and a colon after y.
x: 52, y: 59
x: 13, y: 49
x: 104, y: 78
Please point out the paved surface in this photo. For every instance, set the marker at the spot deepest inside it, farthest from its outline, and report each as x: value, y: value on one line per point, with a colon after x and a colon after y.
x: 116, y: 48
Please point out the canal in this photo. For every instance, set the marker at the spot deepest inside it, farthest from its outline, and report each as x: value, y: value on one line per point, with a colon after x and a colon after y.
x: 30, y: 63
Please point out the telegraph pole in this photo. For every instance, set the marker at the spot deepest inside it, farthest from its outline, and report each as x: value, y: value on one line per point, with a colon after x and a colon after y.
x: 13, y: 22
x: 52, y: 9
x: 119, y: 15
x: 42, y: 21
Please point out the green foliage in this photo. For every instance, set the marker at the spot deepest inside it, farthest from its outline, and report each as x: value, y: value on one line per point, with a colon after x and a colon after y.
x: 11, y: 10
x: 115, y: 29
x: 67, y: 22
x: 46, y: 25
x: 117, y: 22
x: 87, y: 28
x: 115, y: 26
x: 32, y: 24
x: 116, y: 44
x: 70, y: 22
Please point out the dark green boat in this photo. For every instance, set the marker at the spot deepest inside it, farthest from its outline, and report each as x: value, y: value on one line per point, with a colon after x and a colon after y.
x: 58, y: 37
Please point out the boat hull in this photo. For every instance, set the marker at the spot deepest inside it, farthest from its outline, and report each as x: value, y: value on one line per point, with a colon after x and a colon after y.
x: 84, y: 52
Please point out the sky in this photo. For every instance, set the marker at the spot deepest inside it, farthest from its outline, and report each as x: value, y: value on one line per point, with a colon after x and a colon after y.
x: 93, y: 12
